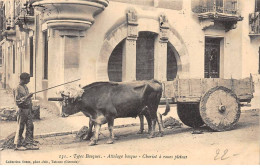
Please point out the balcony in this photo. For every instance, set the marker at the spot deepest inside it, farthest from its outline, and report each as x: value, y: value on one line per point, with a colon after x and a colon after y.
x: 24, y: 15
x: 224, y: 12
x: 254, y: 24
x: 70, y: 15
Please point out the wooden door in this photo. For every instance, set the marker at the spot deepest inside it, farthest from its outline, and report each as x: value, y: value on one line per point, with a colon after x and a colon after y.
x: 212, y: 57
x: 145, y: 56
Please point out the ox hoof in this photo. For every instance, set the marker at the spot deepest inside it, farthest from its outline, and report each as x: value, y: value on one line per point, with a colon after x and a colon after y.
x: 161, y: 134
x: 86, y: 137
x: 151, y: 136
x: 110, y: 141
x: 92, y: 143
x: 140, y: 132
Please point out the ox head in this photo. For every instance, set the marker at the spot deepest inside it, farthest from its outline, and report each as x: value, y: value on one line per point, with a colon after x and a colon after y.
x: 70, y: 106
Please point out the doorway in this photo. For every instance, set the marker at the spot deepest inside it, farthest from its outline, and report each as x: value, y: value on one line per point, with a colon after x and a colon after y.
x: 212, y: 57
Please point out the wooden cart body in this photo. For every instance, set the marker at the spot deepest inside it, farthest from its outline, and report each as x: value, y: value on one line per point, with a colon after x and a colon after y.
x: 191, y: 90
x: 214, y: 102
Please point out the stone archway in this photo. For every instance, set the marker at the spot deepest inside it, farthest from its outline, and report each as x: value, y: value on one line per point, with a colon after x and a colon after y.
x: 110, y: 42
x: 146, y: 24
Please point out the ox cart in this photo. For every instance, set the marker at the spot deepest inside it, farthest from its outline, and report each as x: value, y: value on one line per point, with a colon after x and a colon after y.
x: 214, y: 102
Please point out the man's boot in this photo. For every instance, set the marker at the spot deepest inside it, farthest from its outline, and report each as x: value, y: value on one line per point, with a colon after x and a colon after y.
x: 31, y: 147
x: 19, y: 148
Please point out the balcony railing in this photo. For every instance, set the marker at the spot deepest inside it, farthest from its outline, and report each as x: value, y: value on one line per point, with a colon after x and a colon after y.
x: 221, y: 10
x: 216, y: 9
x: 254, y: 23
x: 23, y: 9
x: 24, y: 14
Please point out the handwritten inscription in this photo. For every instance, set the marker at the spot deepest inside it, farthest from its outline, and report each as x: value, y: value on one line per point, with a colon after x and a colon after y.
x: 221, y: 155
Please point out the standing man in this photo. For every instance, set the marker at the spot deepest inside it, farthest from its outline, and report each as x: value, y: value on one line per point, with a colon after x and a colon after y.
x: 24, y: 117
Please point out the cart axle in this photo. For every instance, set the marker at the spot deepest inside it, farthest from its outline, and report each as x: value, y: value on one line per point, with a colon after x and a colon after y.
x: 222, y: 108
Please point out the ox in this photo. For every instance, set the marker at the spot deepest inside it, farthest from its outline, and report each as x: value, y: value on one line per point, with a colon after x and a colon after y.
x: 102, y: 102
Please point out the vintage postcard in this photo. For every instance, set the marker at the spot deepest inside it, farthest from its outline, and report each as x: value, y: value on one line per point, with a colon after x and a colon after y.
x: 129, y: 82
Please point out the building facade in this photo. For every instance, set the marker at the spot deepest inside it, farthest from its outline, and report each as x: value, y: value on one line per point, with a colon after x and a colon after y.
x: 123, y: 40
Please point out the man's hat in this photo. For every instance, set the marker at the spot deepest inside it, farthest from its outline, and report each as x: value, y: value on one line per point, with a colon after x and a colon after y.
x: 24, y: 75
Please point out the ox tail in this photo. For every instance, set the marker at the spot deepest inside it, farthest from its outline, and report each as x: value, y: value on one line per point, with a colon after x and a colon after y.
x: 167, y: 109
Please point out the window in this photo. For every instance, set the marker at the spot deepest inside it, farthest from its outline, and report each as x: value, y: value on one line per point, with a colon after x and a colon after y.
x: 115, y: 63
x: 13, y: 59
x: 45, y: 55
x: 31, y: 56
x: 171, y: 62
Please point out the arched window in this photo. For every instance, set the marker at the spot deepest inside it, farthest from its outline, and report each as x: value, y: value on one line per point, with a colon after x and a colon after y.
x: 171, y: 62
x: 115, y: 63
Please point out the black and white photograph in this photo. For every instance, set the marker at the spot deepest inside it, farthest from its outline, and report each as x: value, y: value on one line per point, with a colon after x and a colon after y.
x: 129, y: 82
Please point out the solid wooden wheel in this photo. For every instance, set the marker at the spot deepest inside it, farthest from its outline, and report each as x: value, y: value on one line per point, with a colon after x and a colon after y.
x: 189, y: 114
x: 220, y: 108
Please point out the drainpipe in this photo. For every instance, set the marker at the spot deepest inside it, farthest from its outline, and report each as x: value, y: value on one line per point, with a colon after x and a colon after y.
x: 35, y: 53
x: 5, y: 65
x: 12, y: 13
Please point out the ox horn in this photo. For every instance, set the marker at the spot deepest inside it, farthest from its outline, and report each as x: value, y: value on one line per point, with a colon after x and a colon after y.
x: 55, y: 99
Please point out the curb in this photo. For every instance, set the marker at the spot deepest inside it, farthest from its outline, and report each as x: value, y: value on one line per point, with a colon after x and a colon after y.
x: 54, y: 134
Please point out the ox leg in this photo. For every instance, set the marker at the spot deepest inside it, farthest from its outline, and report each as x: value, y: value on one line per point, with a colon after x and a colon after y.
x: 95, y: 139
x: 141, y: 117
x: 160, y: 123
x: 152, y: 134
x: 111, y: 132
x: 149, y: 122
x: 90, y: 133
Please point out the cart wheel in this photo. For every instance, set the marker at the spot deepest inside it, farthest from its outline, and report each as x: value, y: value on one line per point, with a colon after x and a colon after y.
x: 189, y: 114
x: 220, y: 108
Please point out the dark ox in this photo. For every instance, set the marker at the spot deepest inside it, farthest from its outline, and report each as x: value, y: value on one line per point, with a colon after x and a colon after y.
x: 102, y: 102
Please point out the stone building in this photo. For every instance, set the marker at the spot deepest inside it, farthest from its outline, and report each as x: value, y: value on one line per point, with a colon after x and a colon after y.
x: 57, y: 41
